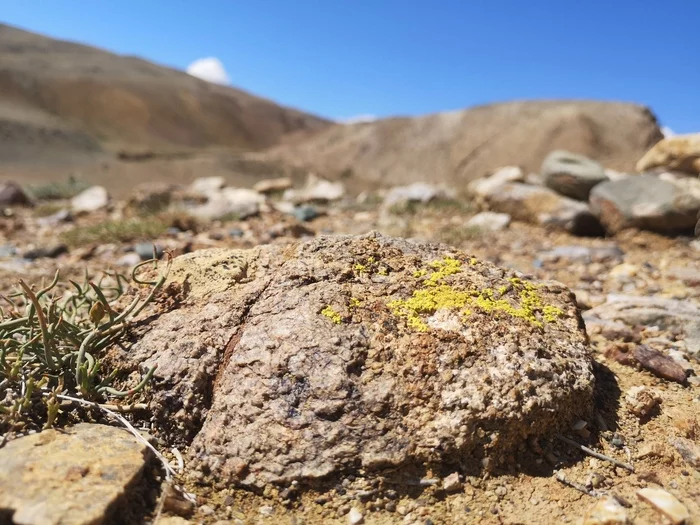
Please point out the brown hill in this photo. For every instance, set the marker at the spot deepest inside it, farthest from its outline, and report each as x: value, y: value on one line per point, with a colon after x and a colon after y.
x: 459, y: 146
x: 59, y: 100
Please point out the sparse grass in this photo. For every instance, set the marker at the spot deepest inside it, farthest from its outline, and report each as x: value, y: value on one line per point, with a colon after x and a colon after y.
x: 47, y: 208
x: 57, y: 190
x: 51, y: 340
x: 435, y: 206
x: 129, y: 230
x: 458, y: 235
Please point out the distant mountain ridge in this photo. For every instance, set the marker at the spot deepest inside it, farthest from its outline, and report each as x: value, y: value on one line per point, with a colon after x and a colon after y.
x: 57, y: 95
x: 458, y: 146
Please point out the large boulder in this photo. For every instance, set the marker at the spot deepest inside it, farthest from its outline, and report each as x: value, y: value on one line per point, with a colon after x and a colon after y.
x: 543, y: 206
x: 340, y: 354
x: 644, y: 202
x: 571, y: 175
x: 680, y: 152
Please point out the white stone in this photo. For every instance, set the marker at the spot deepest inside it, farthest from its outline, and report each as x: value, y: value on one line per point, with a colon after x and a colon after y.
x: 489, y: 221
x: 92, y: 199
x: 355, y: 517
x: 207, y: 185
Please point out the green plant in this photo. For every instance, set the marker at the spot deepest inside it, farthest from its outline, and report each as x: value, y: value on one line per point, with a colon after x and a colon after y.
x: 115, y: 231
x: 57, y: 190
x: 51, y: 341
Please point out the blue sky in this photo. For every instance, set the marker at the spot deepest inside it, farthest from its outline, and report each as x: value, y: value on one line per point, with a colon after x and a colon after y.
x: 343, y: 58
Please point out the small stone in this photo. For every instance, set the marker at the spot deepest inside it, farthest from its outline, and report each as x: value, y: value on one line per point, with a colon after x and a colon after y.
x: 355, y: 517
x: 641, y: 401
x: 688, y: 450
x: 129, y: 259
x: 207, y: 185
x: 606, y: 511
x: 273, y: 185
x: 8, y: 250
x: 92, y: 199
x: 659, y: 364
x: 666, y: 503
x: 235, y: 232
x: 12, y: 194
x: 266, y: 510
x: 206, y: 510
x: 51, y: 252
x: 305, y: 213
x: 489, y: 221
x: 145, y: 251
x: 402, y: 510
x: 452, y: 483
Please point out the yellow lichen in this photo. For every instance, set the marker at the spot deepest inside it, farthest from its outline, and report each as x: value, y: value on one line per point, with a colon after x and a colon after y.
x: 382, y: 271
x: 360, y: 268
x: 435, y: 294
x: 355, y: 302
x: 445, y: 267
x: 419, y: 273
x: 334, y: 316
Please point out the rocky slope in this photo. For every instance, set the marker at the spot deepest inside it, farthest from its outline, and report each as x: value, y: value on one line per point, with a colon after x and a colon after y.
x: 60, y: 100
x: 458, y: 146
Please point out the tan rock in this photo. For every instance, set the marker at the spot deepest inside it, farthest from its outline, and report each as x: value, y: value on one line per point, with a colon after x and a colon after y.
x: 330, y: 355
x: 69, y: 477
x: 666, y: 503
x: 606, y: 511
x: 273, y: 185
x: 680, y: 152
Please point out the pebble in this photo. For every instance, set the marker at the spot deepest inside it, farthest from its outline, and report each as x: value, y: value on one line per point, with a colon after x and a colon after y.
x: 145, y: 251
x: 7, y: 250
x: 355, y: 517
x: 305, y: 213
x: 606, y: 511
x: 206, y: 510
x: 129, y: 259
x: 665, y: 503
x: 641, y: 401
x: 266, y: 510
x: 452, y: 483
x: 50, y: 252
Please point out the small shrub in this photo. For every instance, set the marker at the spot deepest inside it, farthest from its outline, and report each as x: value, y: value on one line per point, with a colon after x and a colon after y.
x: 51, y: 341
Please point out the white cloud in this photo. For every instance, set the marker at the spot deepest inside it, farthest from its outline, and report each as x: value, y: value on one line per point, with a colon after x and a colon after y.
x: 359, y: 119
x: 210, y: 69
x: 668, y: 132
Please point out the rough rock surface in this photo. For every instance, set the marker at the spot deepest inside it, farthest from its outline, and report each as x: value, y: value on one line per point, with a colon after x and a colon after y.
x: 644, y: 202
x: 543, y: 206
x: 681, y: 152
x: 70, y: 476
x: 359, y: 352
x: 571, y: 175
